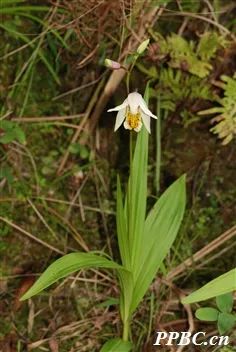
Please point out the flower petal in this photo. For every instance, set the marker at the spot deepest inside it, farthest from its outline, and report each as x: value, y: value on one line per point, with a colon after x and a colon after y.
x: 119, y: 119
x: 127, y: 126
x: 119, y: 107
x: 134, y: 100
x: 145, y: 109
x: 146, y: 121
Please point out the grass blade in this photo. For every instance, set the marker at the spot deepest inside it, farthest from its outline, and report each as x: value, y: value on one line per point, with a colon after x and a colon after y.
x: 9, y: 2
x: 17, y: 9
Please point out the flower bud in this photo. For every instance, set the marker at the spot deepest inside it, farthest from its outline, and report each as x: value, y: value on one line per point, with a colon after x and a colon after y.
x: 143, y: 46
x: 114, y: 65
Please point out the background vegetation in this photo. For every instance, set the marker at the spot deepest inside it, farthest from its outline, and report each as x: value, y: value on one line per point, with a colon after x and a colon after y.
x: 59, y: 157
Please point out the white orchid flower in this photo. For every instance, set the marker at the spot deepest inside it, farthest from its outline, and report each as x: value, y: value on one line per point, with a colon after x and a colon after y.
x: 134, y: 113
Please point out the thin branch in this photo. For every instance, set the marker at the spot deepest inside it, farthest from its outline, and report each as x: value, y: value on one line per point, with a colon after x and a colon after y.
x: 226, y: 236
x: 46, y: 118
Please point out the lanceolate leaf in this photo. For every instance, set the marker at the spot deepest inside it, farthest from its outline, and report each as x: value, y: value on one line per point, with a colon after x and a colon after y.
x: 137, y: 195
x: 126, y: 293
x: 125, y: 277
x: 219, y: 286
x: 161, y: 227
x: 121, y: 224
x: 117, y: 345
x: 66, y: 265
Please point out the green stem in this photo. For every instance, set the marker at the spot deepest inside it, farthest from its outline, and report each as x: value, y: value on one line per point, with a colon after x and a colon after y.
x: 128, y: 76
x: 127, y: 81
x: 130, y: 150
x: 126, y: 324
x: 129, y: 194
x: 126, y: 331
x: 158, y: 145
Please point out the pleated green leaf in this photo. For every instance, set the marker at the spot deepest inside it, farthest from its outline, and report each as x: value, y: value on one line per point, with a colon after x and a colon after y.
x: 67, y: 265
x: 126, y: 293
x: 137, y: 196
x: 121, y: 224
x: 219, y: 286
x: 125, y: 277
x: 161, y: 227
x: 117, y: 345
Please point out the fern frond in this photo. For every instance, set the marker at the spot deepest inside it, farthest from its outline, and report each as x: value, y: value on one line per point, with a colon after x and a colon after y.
x: 209, y: 44
x: 184, y: 57
x: 225, y: 126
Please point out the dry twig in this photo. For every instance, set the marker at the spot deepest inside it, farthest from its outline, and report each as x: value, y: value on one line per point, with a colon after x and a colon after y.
x: 226, y: 236
x: 28, y: 234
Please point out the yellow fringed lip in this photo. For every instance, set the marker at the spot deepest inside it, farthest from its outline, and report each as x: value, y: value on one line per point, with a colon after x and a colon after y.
x: 133, y: 121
